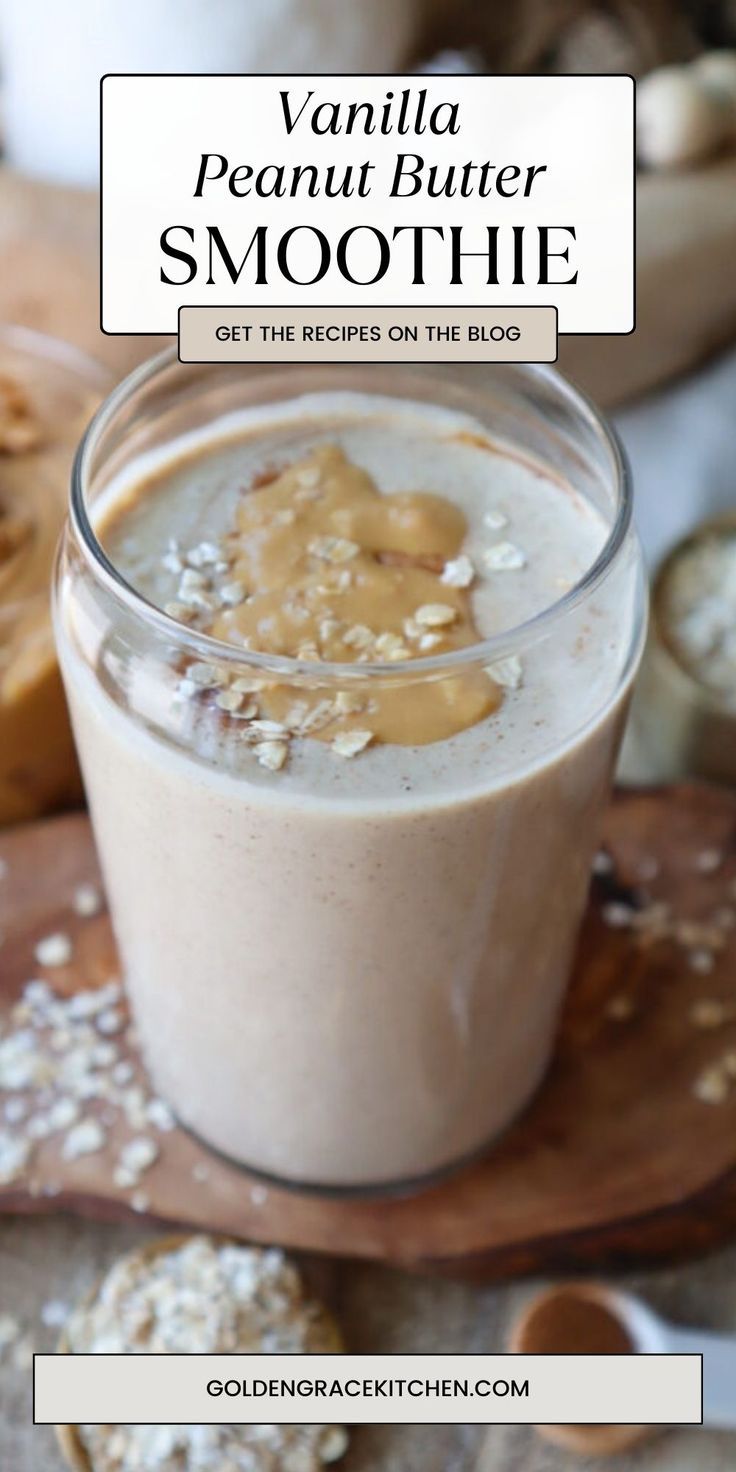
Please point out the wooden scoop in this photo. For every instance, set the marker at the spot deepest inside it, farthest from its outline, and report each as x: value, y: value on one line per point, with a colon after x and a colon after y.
x: 590, y: 1318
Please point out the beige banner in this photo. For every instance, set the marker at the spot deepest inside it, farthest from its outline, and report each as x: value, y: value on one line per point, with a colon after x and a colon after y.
x: 368, y: 335
x: 434, y: 1389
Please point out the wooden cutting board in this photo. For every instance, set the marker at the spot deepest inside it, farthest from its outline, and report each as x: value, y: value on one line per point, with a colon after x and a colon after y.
x: 616, y: 1161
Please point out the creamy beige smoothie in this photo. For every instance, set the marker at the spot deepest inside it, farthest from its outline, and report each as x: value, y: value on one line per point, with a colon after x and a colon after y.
x: 347, y: 898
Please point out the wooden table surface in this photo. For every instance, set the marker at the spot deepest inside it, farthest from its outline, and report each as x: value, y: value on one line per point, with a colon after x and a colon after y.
x: 382, y: 1311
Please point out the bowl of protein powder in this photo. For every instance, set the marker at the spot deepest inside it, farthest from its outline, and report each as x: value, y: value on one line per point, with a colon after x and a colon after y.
x: 685, y: 709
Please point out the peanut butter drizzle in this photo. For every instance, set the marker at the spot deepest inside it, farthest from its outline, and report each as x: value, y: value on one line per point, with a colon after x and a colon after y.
x: 334, y: 570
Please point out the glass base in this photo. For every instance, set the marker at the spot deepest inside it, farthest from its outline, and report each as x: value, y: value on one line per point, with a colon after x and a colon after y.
x: 372, y: 1190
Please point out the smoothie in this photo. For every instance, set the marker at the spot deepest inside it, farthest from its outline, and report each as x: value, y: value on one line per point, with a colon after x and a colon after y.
x: 346, y: 881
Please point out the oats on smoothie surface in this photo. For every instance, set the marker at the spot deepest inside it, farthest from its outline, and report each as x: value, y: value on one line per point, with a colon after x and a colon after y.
x: 435, y: 615
x: 507, y: 672
x: 294, y: 545
x: 495, y: 520
x: 458, y: 572
x: 504, y: 557
x: 351, y: 743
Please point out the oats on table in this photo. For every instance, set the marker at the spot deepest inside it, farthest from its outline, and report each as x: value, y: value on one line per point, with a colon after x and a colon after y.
x: 617, y: 915
x: 709, y: 1012
x: 87, y: 900
x: 54, y: 950
x: 15, y: 1153
x: 712, y: 1086
x: 9, y: 1331
x: 54, y: 1314
x: 85, y: 1138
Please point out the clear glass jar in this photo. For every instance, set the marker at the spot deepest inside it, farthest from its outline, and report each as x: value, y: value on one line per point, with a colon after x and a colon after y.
x: 348, y: 974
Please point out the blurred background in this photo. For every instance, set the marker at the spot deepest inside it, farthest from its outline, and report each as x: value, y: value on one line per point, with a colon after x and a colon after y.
x: 670, y: 388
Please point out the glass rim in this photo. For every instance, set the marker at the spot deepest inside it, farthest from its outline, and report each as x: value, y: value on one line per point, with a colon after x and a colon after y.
x: 218, y: 652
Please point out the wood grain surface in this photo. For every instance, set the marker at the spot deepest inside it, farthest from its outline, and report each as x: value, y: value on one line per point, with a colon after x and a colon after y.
x: 615, y: 1161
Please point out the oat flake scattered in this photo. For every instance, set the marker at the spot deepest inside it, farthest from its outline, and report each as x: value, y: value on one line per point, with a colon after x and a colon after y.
x: 617, y: 915
x: 495, y: 520
x: 85, y: 1138
x: 711, y: 1086
x: 22, y: 1354
x: 87, y: 900
x: 206, y: 676
x: 701, y: 960
x: 708, y: 1013
x: 504, y: 557
x: 348, y: 702
x: 9, y: 1331
x: 54, y: 1314
x: 333, y: 549
x: 507, y: 672
x: 351, y: 743
x: 458, y: 572
x: 272, y: 754
x: 110, y: 1021
x: 54, y: 950
x: 160, y: 1115
x: 15, y: 1152
x: 435, y: 615
x: 138, y: 1155
x: 233, y: 593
